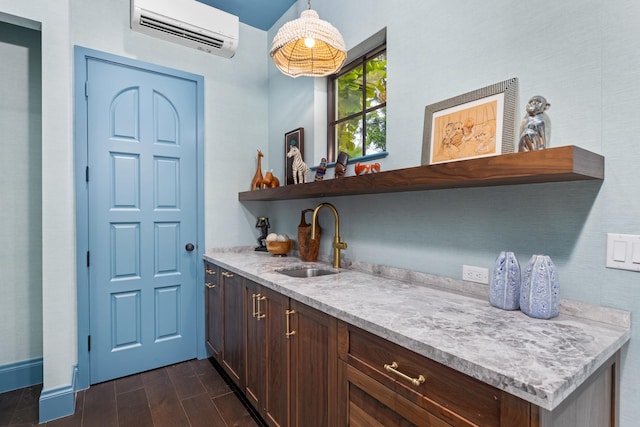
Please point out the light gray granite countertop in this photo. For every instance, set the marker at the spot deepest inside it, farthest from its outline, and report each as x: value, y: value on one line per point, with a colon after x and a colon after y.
x: 541, y: 361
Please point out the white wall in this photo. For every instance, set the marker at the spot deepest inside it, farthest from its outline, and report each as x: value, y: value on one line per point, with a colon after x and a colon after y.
x: 582, y: 55
x: 21, y: 189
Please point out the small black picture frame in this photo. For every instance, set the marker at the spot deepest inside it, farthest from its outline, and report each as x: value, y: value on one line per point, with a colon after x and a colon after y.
x: 294, y: 137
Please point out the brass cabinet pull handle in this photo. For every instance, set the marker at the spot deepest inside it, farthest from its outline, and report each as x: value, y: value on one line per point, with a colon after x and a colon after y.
x: 393, y: 369
x: 288, y: 333
x: 260, y: 315
x: 227, y: 274
x: 212, y: 272
x: 210, y: 285
x: 253, y: 303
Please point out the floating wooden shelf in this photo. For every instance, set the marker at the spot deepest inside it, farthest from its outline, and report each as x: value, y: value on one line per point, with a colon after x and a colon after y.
x: 568, y: 163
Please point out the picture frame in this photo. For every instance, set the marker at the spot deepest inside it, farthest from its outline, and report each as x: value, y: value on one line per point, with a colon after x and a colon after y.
x: 476, y: 124
x: 296, y: 137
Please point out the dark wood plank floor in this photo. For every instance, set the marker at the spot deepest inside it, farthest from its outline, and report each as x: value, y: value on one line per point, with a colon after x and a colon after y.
x: 192, y: 394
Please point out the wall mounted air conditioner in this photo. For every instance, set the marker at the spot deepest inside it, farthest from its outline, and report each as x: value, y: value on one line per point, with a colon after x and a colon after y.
x: 187, y: 22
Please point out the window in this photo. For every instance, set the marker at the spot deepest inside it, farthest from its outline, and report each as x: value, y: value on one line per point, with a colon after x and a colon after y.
x: 358, y: 106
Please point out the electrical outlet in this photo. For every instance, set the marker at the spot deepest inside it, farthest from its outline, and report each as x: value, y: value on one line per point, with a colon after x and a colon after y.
x: 475, y: 274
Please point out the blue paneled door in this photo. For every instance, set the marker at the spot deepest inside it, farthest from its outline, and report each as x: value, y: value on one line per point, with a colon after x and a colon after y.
x: 142, y: 219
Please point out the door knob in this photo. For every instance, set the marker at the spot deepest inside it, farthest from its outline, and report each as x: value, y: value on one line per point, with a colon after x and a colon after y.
x: 189, y: 247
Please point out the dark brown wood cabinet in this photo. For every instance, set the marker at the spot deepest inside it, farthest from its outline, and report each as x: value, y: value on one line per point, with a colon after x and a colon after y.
x: 291, y: 374
x: 382, y: 383
x: 213, y: 310
x: 368, y: 403
x: 267, y: 354
x: 280, y: 353
x: 277, y: 373
x: 300, y: 367
x: 233, y: 339
x: 255, y: 386
x: 314, y: 372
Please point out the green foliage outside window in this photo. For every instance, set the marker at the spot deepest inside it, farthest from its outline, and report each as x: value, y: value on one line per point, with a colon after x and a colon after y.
x: 361, y: 98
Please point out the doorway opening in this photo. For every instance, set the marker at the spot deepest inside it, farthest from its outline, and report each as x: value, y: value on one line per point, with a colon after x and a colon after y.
x: 20, y: 206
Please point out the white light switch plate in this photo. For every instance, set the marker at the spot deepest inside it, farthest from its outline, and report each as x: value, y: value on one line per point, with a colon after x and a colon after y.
x: 623, y: 251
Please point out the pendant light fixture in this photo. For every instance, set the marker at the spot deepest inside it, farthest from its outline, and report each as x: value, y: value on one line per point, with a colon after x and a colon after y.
x: 308, y: 46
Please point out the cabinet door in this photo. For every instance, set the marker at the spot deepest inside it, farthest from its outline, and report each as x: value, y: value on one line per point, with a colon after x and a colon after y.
x: 256, y: 344
x: 313, y: 367
x: 233, y: 346
x: 367, y: 403
x: 213, y: 310
x: 276, y: 402
x: 267, y: 362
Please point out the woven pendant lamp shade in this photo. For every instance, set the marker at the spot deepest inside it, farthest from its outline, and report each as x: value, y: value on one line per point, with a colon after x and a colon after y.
x: 292, y: 56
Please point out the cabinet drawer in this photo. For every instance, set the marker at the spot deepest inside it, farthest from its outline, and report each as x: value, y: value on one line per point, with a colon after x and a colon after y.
x: 370, y: 404
x: 449, y: 394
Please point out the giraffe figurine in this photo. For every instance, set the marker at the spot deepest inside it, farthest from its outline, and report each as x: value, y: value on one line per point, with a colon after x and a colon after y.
x: 256, y: 183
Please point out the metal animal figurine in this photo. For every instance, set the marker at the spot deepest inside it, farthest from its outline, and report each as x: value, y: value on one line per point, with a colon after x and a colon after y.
x: 535, y: 128
x: 262, y: 224
x: 299, y: 167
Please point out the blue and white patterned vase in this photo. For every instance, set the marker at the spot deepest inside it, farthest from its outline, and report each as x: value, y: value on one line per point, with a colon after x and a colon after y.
x: 504, y: 291
x: 540, y: 291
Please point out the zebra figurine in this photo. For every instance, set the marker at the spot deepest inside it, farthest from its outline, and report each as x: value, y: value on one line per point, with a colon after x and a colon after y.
x: 299, y: 167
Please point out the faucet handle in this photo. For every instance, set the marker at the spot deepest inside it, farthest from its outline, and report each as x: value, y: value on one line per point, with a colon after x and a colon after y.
x: 340, y: 244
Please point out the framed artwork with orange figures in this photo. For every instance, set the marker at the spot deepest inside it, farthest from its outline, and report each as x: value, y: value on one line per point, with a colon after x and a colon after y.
x: 476, y: 124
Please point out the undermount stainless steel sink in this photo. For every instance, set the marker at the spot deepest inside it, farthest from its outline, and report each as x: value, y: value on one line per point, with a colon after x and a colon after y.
x: 307, y: 272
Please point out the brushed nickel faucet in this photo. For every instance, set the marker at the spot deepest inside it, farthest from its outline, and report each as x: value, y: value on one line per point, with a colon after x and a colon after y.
x: 338, y: 243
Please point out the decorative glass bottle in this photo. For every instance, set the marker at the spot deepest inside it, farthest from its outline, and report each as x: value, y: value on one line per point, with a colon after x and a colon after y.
x: 504, y: 291
x: 540, y: 291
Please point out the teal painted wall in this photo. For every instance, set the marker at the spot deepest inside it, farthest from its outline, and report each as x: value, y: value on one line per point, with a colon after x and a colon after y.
x: 582, y: 55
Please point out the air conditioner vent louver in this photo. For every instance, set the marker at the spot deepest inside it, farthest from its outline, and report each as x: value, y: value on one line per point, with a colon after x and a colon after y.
x: 155, y: 24
x: 189, y: 23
